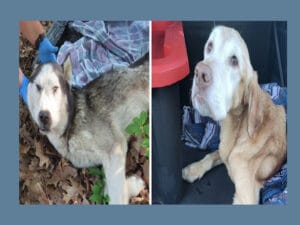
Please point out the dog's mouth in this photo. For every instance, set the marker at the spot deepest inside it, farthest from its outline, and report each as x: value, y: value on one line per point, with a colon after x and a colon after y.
x: 200, y: 97
x: 44, y: 129
x: 203, y: 105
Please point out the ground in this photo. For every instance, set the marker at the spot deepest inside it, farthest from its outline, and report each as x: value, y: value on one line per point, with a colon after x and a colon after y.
x: 47, y: 178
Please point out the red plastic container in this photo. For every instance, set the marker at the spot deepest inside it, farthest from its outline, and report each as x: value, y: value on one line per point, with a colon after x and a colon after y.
x: 169, y: 57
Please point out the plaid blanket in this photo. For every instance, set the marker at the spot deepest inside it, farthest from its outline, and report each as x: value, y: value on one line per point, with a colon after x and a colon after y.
x: 103, y: 47
x: 203, y: 133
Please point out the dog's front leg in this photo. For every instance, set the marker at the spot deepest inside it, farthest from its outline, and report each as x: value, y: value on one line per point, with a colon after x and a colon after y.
x: 246, y: 187
x: 197, y: 169
x: 114, y: 168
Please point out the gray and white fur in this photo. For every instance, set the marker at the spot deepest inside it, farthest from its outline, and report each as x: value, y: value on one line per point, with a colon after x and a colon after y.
x: 87, y: 125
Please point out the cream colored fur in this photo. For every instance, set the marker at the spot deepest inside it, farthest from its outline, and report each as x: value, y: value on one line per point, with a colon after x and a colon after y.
x: 253, y: 129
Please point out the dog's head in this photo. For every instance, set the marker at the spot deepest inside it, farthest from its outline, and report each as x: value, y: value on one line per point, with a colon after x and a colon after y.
x: 221, y: 77
x: 49, y: 95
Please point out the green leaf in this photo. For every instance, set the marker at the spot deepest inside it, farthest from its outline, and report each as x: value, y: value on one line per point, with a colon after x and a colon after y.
x: 138, y: 131
x: 98, y: 195
x: 95, y: 198
x: 106, y: 199
x: 102, y: 175
x: 145, y: 143
x: 143, y: 117
x: 147, y: 152
x: 96, y: 189
x: 136, y: 121
x: 95, y: 171
x: 130, y: 129
x: 146, y: 129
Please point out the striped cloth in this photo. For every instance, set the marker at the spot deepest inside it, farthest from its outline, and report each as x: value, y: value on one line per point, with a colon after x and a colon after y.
x: 202, y: 133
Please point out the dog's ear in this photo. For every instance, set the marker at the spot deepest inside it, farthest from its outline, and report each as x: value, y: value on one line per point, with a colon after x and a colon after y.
x: 68, y: 70
x: 253, y: 97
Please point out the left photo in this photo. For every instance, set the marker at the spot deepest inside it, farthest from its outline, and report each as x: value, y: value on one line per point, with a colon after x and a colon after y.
x: 84, y: 112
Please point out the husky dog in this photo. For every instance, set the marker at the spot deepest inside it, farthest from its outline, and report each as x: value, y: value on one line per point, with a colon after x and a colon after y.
x: 87, y: 126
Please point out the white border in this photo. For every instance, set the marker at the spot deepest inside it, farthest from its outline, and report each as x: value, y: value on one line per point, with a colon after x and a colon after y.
x: 150, y: 112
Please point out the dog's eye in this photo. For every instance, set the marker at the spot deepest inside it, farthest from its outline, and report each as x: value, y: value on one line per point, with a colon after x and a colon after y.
x: 209, y: 47
x: 234, y: 61
x: 54, y: 89
x: 38, y: 87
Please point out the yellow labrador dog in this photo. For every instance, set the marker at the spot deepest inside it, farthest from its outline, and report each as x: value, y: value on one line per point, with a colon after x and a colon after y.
x: 253, y: 129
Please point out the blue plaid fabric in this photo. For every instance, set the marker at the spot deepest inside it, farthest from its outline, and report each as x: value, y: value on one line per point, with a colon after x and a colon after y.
x: 203, y: 133
x: 103, y: 47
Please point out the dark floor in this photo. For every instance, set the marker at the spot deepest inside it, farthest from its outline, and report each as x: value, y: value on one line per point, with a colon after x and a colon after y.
x: 215, y: 187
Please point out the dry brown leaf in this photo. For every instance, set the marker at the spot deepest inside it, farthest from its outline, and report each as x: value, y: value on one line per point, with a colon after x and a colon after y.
x: 24, y: 149
x: 71, y: 193
x: 35, y: 189
x: 62, y: 171
x: 68, y: 169
x: 55, y: 195
x: 73, y: 190
x: 34, y: 164
x: 84, y: 201
x: 26, y: 136
x: 142, y: 198
x: 44, y: 160
x: 146, y: 171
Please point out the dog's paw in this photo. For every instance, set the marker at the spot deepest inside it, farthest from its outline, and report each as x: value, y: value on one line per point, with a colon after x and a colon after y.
x: 192, y: 172
x: 135, y: 185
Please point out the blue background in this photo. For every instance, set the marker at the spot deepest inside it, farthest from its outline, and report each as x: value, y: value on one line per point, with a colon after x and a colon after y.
x: 12, y: 11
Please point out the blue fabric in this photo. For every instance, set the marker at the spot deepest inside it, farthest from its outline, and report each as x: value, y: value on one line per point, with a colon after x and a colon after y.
x: 47, y: 51
x: 46, y: 54
x: 103, y: 47
x: 198, y: 131
x: 203, y: 133
x: 23, y: 89
x: 275, y: 189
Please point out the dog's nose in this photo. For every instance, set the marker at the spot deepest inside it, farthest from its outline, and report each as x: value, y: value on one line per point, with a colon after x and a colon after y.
x: 203, y: 74
x: 44, y: 117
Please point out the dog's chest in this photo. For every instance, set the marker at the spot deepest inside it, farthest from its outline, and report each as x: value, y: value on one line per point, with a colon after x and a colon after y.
x: 87, y: 149
x: 83, y: 150
x: 232, y: 137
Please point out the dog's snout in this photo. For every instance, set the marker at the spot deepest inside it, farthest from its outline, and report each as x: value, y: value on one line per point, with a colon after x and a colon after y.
x: 44, y: 117
x: 203, y: 74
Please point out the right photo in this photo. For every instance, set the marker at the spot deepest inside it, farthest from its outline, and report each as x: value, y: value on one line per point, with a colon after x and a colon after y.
x: 219, y: 103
